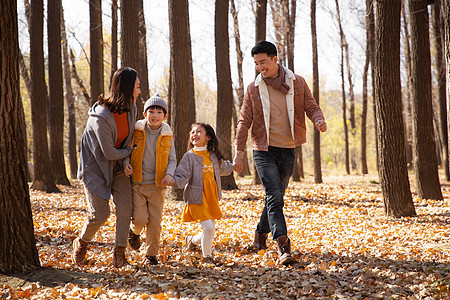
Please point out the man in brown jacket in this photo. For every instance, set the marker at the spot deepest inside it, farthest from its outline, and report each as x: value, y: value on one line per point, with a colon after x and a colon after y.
x: 274, y: 107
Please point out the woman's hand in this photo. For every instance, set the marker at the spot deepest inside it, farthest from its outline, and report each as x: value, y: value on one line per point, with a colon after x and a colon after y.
x: 128, y: 169
x: 131, y: 143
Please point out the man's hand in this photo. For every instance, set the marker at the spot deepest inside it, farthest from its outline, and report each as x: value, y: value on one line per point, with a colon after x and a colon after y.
x: 128, y: 169
x: 238, y: 165
x: 321, y: 125
x: 168, y: 180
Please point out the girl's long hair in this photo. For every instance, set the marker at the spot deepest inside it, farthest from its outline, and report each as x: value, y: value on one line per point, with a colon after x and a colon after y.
x: 121, y: 93
x: 213, y: 143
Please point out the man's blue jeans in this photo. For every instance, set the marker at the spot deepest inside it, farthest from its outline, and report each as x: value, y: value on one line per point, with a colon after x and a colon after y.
x: 274, y: 167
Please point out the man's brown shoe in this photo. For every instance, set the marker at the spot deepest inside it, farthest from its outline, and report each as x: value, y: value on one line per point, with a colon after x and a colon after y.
x: 284, y: 251
x: 79, y: 251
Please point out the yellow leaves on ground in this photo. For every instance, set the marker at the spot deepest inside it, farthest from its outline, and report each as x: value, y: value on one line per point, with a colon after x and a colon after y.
x: 344, y: 247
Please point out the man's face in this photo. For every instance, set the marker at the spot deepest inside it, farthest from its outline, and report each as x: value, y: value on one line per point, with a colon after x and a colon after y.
x: 265, y: 65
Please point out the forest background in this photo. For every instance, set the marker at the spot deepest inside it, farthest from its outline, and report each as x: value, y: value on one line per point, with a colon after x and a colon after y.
x: 202, y: 34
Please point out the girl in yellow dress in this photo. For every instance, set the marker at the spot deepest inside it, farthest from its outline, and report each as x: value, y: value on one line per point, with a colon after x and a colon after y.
x: 199, y: 174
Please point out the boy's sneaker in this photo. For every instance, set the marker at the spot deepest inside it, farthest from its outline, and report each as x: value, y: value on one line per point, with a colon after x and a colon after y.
x: 189, y: 244
x: 151, y: 260
x: 134, y: 240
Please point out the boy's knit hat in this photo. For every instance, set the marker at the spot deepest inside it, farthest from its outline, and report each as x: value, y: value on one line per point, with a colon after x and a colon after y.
x: 155, y: 100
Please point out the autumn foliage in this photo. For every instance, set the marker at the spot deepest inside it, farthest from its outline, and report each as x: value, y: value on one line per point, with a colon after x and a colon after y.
x: 344, y: 245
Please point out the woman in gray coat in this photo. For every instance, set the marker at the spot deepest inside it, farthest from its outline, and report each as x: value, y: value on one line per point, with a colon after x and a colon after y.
x: 106, y: 141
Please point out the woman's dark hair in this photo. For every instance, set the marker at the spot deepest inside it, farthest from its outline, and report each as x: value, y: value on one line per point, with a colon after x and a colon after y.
x: 121, y: 93
x: 265, y: 47
x: 213, y: 143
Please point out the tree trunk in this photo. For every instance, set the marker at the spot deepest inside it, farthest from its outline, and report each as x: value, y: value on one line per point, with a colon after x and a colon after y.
x: 371, y: 16
x: 440, y: 67
x: 180, y: 80
x: 364, y: 98
x: 391, y: 148
x: 43, y: 176
x: 96, y: 43
x: 113, y: 40
x: 240, y: 89
x: 446, y: 15
x: 70, y: 100
x: 316, y: 94
x: 425, y: 161
x: 143, y: 68
x: 344, y: 111
x: 225, y: 100
x: 55, y: 83
x: 407, y: 110
x: 260, y: 35
x: 18, y: 251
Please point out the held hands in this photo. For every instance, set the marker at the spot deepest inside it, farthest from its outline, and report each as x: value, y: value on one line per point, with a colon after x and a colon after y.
x: 168, y: 180
x: 128, y: 169
x: 321, y: 125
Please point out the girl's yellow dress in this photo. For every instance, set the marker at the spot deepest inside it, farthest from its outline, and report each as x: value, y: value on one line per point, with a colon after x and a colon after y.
x: 209, y: 209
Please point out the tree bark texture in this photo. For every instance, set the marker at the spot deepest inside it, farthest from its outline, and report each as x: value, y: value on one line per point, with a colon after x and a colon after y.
x: 55, y: 84
x: 446, y: 14
x: 425, y: 161
x: 407, y: 108
x: 114, y: 50
x: 180, y: 81
x: 18, y: 251
x: 43, y: 176
x: 393, y: 172
x: 70, y: 100
x: 96, y: 43
x: 364, y: 169
x: 240, y: 88
x: 225, y: 100
x: 371, y: 15
x: 316, y: 94
x: 260, y: 20
x: 440, y: 67
x: 143, y: 69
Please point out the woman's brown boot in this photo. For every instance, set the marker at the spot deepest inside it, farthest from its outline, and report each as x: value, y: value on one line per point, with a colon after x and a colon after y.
x: 284, y: 251
x: 260, y: 241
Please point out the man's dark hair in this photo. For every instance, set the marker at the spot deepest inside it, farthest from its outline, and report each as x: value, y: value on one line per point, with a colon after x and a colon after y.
x: 265, y: 47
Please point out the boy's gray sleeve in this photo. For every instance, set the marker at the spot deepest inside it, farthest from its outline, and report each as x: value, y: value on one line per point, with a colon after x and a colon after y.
x: 172, y: 164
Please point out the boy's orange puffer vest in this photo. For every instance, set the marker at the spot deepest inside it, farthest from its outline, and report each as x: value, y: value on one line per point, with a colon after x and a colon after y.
x: 162, y: 151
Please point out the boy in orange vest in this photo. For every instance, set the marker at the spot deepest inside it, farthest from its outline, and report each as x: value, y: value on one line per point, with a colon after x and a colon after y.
x: 153, y: 163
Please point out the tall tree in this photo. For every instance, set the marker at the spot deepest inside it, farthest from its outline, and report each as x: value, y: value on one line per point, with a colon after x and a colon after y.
x: 425, y: 161
x: 440, y: 67
x: 143, y: 68
x: 180, y: 81
x: 344, y: 53
x: 78, y: 79
x: 240, y: 89
x: 316, y: 94
x: 55, y: 83
x: 113, y: 39
x: 364, y: 169
x: 407, y: 109
x: 18, y: 251
x: 225, y: 100
x: 393, y: 172
x: 70, y: 100
x: 96, y: 43
x: 260, y: 35
x: 129, y: 37
x: 43, y: 176
x: 446, y: 14
x: 371, y: 16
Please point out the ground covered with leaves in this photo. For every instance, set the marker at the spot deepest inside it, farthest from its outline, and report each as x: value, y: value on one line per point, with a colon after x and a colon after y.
x: 344, y: 246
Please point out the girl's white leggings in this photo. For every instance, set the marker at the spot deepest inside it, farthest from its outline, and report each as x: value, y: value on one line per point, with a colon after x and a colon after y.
x: 205, y: 237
